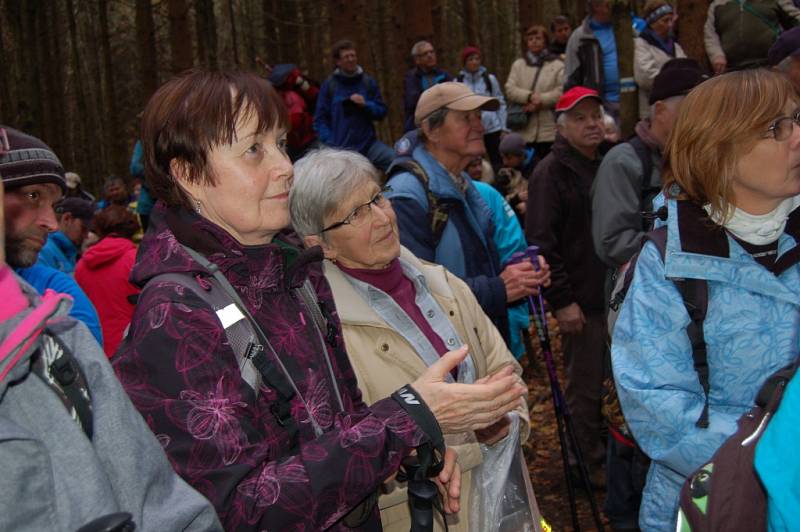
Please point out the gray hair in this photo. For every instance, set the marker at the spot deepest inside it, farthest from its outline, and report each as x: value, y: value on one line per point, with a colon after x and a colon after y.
x: 561, y: 119
x: 417, y: 45
x: 609, y: 121
x: 435, y: 120
x: 672, y: 102
x: 784, y: 65
x: 323, y: 180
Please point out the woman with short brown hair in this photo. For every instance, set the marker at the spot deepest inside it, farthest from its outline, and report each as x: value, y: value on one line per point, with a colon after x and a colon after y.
x: 234, y: 354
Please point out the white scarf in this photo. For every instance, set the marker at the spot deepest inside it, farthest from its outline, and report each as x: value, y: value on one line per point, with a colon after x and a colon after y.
x: 758, y: 229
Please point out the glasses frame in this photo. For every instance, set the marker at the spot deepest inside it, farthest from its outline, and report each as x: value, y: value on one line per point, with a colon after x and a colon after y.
x: 370, y: 204
x: 772, y: 130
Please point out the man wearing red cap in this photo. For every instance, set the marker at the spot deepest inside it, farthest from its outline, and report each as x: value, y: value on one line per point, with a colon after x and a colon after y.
x: 558, y: 220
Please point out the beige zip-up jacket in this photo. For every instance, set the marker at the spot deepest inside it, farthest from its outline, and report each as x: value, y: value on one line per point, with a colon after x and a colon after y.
x: 550, y: 85
x: 384, y: 361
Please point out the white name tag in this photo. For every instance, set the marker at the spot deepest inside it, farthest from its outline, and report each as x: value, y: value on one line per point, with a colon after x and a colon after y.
x: 229, y: 315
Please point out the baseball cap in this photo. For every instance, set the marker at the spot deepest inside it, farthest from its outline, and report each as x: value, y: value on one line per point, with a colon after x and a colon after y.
x: 574, y: 96
x: 77, y: 207
x: 455, y: 96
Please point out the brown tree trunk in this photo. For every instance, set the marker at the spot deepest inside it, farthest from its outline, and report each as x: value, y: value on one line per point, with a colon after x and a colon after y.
x: 470, y: 8
x: 113, y: 126
x: 234, y: 40
x: 691, y: 19
x: 206, y: 24
x: 419, y: 21
x: 527, y: 13
x: 146, y: 48
x: 623, y: 32
x: 180, y: 35
x: 85, y: 154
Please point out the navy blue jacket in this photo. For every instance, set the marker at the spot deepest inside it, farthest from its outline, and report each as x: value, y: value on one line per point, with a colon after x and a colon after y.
x: 414, y: 84
x: 342, y: 123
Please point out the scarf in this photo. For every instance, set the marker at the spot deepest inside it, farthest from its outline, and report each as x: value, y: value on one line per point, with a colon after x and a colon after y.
x: 666, y: 45
x: 757, y: 229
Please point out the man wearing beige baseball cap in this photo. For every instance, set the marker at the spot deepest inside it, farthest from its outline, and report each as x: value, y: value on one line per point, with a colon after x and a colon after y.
x: 441, y: 216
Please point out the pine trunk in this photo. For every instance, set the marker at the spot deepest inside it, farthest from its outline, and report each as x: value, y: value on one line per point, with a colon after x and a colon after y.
x: 692, y: 18
x: 146, y: 47
x: 623, y: 31
x: 180, y: 35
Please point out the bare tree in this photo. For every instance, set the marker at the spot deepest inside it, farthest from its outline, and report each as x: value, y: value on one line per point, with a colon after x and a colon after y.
x: 146, y: 48
x: 623, y: 33
x: 692, y: 18
x: 180, y: 35
x: 206, y: 23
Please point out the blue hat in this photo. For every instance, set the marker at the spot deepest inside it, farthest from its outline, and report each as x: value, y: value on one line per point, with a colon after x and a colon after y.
x: 280, y: 72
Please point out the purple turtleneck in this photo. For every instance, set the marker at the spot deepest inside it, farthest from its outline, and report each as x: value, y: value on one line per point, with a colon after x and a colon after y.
x: 392, y: 281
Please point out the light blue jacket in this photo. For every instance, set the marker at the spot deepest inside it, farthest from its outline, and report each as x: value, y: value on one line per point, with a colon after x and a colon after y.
x: 778, y: 462
x: 492, y: 121
x: 751, y: 330
x: 509, y: 239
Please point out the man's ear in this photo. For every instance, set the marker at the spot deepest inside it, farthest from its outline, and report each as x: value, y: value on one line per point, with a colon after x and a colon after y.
x: 315, y: 240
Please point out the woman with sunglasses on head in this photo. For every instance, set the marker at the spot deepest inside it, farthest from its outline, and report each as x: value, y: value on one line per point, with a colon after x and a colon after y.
x: 731, y: 180
x: 234, y: 355
x: 399, y: 314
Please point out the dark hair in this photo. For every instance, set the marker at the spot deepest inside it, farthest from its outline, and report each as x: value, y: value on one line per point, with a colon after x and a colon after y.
x: 338, y: 46
x: 115, y: 220
x: 538, y: 29
x: 559, y: 20
x: 192, y: 113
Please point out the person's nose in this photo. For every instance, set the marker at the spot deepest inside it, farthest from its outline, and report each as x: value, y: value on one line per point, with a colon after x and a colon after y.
x: 47, y: 219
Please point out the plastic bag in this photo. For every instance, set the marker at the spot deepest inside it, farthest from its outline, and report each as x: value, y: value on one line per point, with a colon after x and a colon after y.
x: 502, y: 498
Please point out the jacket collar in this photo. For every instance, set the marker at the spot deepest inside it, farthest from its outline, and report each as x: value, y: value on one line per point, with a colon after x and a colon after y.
x: 64, y: 244
x: 697, y: 248
x: 353, y: 309
x: 575, y: 160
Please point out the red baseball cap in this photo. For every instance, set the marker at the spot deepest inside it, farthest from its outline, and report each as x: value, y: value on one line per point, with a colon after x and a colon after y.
x: 574, y: 96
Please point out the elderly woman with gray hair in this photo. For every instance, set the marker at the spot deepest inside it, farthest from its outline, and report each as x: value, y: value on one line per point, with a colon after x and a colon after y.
x: 398, y: 313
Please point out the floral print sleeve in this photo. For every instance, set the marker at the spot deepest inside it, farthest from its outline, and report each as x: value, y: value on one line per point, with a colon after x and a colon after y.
x: 182, y: 375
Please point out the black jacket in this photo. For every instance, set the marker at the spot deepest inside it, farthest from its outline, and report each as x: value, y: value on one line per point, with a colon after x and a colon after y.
x: 558, y: 220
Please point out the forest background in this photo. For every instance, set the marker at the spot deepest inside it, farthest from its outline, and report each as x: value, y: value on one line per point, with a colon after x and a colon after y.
x: 77, y: 73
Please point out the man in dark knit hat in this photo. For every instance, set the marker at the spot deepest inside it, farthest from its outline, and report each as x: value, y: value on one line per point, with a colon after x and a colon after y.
x: 630, y: 175
x: 34, y: 182
x: 784, y: 56
x: 627, y: 181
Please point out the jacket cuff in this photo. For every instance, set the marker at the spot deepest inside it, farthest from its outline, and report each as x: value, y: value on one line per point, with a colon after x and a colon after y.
x: 416, y: 408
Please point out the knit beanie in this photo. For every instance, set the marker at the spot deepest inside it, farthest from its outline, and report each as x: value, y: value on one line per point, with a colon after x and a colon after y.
x: 468, y: 51
x: 26, y: 160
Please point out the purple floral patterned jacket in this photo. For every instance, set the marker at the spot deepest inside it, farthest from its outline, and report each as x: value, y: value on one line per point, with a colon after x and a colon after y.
x: 182, y: 375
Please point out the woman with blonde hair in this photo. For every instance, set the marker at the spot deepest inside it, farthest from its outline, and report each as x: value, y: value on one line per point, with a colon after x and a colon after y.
x: 732, y: 176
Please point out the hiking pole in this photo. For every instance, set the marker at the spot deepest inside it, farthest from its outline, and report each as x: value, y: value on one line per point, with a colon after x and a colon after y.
x: 563, y: 416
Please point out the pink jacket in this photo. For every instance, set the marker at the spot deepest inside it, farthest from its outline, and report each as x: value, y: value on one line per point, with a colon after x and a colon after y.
x: 103, y: 273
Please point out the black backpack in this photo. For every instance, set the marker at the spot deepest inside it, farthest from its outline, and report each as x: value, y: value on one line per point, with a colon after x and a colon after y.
x: 726, y: 493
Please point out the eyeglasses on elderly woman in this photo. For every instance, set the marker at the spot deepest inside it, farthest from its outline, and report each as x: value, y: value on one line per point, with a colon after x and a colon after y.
x: 363, y: 212
x: 781, y: 129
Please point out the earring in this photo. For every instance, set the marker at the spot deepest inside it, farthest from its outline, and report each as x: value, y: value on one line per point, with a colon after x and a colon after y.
x: 197, y: 206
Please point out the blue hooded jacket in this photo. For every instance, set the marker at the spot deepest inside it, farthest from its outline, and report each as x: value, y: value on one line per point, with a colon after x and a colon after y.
x: 752, y: 329
x: 59, y: 252
x: 467, y: 246
x: 43, y: 277
x: 342, y: 123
